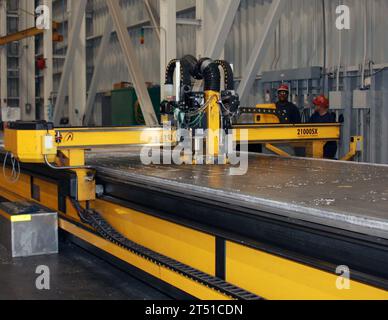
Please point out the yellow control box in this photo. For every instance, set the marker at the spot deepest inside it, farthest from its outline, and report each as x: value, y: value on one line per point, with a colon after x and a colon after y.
x: 30, y: 146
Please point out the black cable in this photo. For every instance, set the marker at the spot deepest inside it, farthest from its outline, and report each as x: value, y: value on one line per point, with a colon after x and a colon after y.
x: 228, y: 72
x: 170, y: 72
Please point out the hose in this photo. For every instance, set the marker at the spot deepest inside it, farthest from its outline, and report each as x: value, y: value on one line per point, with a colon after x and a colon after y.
x: 188, y: 64
x: 205, y: 69
x: 170, y: 72
x: 209, y: 71
x: 229, y: 78
x: 212, y: 77
x: 64, y: 168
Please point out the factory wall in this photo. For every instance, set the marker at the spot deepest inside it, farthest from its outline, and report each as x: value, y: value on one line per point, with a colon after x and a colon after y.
x: 299, y: 36
x: 298, y: 43
x: 148, y: 53
x: 300, y: 31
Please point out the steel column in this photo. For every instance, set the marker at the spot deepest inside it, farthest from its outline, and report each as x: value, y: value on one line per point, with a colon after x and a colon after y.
x: 211, y: 37
x: 27, y: 63
x: 132, y: 63
x: 200, y: 34
x: 216, y: 42
x: 46, y: 113
x: 384, y: 133
x: 77, y: 88
x: 3, y: 57
x: 168, y: 38
x: 260, y: 49
x: 79, y: 11
x: 348, y: 114
x: 98, y: 67
x: 153, y: 18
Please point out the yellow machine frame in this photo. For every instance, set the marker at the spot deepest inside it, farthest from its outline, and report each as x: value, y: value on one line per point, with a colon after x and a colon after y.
x: 66, y: 146
x: 254, y: 269
x: 274, y: 277
x: 267, y: 275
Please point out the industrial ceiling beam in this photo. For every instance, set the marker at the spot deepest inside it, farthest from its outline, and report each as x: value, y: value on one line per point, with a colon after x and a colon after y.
x: 79, y: 13
x: 260, y: 48
x: 3, y: 57
x: 98, y: 71
x: 132, y: 63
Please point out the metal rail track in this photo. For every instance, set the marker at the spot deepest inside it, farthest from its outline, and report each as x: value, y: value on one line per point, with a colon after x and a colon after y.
x: 105, y: 230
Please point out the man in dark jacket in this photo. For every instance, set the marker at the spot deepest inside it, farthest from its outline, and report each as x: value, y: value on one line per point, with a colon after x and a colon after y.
x: 323, y: 115
x: 285, y: 106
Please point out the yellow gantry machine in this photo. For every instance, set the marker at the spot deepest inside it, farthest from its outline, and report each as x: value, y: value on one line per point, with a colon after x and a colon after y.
x: 196, y: 260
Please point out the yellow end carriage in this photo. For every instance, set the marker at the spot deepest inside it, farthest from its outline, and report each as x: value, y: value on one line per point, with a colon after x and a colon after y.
x: 194, y: 228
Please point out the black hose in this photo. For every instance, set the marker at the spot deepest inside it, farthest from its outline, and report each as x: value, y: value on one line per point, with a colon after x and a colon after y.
x: 188, y: 65
x: 208, y: 70
x: 205, y: 69
x: 186, y: 70
x: 170, y: 72
x: 212, y: 77
x: 229, y: 78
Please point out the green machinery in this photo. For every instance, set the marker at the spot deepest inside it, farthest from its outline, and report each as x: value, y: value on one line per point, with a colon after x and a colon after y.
x: 125, y: 108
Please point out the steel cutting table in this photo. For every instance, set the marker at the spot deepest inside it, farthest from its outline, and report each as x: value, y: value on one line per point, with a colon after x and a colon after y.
x: 349, y: 196
x: 281, y: 231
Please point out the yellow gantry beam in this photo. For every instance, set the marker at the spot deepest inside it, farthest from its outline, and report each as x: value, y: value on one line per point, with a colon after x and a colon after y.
x: 287, y: 133
x: 27, y: 145
x: 84, y: 138
x: 31, y: 32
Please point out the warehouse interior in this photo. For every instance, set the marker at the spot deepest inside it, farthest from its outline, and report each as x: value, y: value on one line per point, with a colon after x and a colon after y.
x: 194, y: 149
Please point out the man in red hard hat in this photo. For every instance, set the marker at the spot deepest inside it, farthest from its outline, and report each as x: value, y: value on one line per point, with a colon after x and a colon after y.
x: 322, y: 114
x: 285, y: 106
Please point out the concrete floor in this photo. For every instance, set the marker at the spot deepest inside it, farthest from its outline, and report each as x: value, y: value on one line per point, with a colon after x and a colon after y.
x: 75, y: 275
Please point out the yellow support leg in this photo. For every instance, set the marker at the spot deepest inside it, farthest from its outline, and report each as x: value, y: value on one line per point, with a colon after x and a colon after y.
x: 356, y: 146
x: 315, y: 149
x: 277, y: 150
x: 213, y: 126
x: 86, y: 184
x: 72, y: 158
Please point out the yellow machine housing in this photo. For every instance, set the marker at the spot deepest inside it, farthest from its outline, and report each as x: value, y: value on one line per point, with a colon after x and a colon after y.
x: 265, y: 118
x: 30, y: 145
